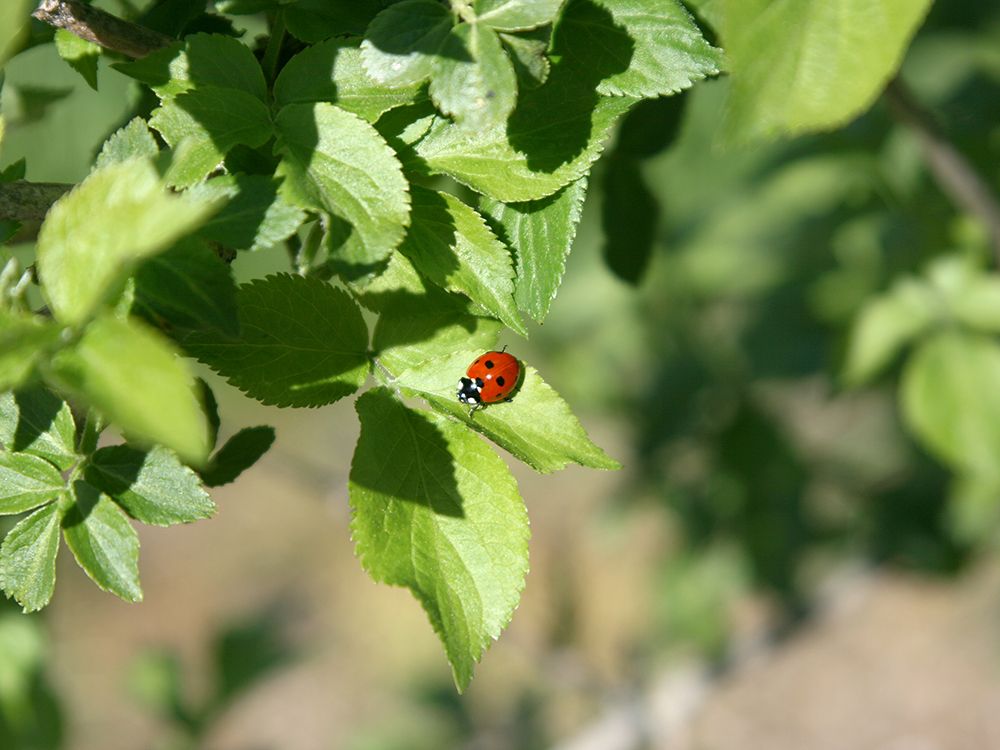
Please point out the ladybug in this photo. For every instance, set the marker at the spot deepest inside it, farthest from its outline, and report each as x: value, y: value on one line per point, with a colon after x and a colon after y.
x: 491, y: 378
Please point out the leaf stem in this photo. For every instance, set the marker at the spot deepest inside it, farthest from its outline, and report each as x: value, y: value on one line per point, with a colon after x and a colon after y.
x: 954, y: 174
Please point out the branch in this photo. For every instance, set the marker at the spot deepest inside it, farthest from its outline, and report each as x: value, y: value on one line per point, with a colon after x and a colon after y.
x: 954, y: 174
x: 102, y: 28
x: 28, y: 201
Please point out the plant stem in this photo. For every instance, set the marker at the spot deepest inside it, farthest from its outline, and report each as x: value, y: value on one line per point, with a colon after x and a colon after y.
x: 954, y: 174
x: 28, y: 201
x: 102, y: 28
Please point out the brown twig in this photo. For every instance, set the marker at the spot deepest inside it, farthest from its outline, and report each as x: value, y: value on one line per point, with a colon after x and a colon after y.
x: 954, y: 174
x: 28, y: 201
x: 102, y: 28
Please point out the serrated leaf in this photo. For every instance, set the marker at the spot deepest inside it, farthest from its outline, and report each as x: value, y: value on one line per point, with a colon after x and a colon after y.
x: 800, y: 66
x: 516, y: 15
x: 81, y: 55
x: 336, y: 162
x: 403, y: 41
x: 527, y: 54
x: 884, y: 326
x: 24, y: 341
x: 641, y: 48
x: 36, y: 421
x: 26, y: 482
x: 202, y: 125
x: 201, y: 60
x: 302, y: 343
x: 556, y: 132
x: 472, y: 78
x: 118, y: 215
x: 419, y: 325
x: 102, y: 540
x: 451, y: 245
x: 152, y: 486
x: 134, y: 141
x: 190, y: 287
x: 332, y: 72
x: 630, y: 213
x: 239, y: 453
x: 135, y: 377
x: 316, y: 20
x: 28, y: 558
x: 541, y: 233
x: 537, y: 426
x: 435, y: 510
x: 950, y: 400
x: 256, y: 214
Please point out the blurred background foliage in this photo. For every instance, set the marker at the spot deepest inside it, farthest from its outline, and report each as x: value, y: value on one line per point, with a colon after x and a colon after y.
x: 704, y: 324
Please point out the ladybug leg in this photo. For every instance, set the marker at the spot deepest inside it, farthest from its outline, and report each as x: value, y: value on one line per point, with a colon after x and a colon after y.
x: 474, y: 408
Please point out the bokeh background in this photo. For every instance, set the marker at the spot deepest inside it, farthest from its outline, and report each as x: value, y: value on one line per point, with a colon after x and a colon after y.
x: 778, y: 565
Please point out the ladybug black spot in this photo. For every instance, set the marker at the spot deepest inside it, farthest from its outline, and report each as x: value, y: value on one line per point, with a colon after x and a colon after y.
x: 489, y: 364
x: 500, y: 381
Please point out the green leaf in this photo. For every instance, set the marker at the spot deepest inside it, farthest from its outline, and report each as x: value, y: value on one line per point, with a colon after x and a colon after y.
x: 36, y: 421
x: 402, y: 44
x: 800, y: 66
x: 14, y: 19
x: 419, y: 325
x: 118, y: 215
x: 552, y: 138
x: 246, y: 7
x: 201, y: 60
x: 24, y: 341
x: 256, y: 216
x: 472, y: 78
x: 190, y: 287
x: 316, y: 20
x: 28, y: 558
x: 978, y: 303
x: 152, y: 486
x: 537, y: 426
x: 451, y: 245
x: 437, y: 511
x: 527, y: 54
x: 630, y: 213
x: 135, y: 378
x: 950, y: 400
x: 204, y: 124
x: 134, y: 141
x: 516, y: 15
x: 884, y: 326
x: 26, y: 482
x: 332, y: 72
x: 239, y: 453
x: 541, y: 233
x: 641, y: 48
x: 103, y: 542
x: 81, y: 55
x: 336, y: 162
x: 302, y: 343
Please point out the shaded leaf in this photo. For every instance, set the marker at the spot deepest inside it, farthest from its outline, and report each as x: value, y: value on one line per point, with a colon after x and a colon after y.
x: 81, y: 55
x: 102, y: 540
x: 239, y: 453
x: 256, y: 215
x: 516, y: 15
x: 435, y: 510
x: 36, y: 421
x: 316, y: 20
x: 403, y: 42
x: 152, y: 486
x: 24, y: 342
x: 302, y: 343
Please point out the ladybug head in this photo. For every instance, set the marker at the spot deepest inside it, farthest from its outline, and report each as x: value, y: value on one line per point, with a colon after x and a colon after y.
x: 469, y: 391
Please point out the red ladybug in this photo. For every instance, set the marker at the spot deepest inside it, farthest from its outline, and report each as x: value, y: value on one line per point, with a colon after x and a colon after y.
x: 491, y: 378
